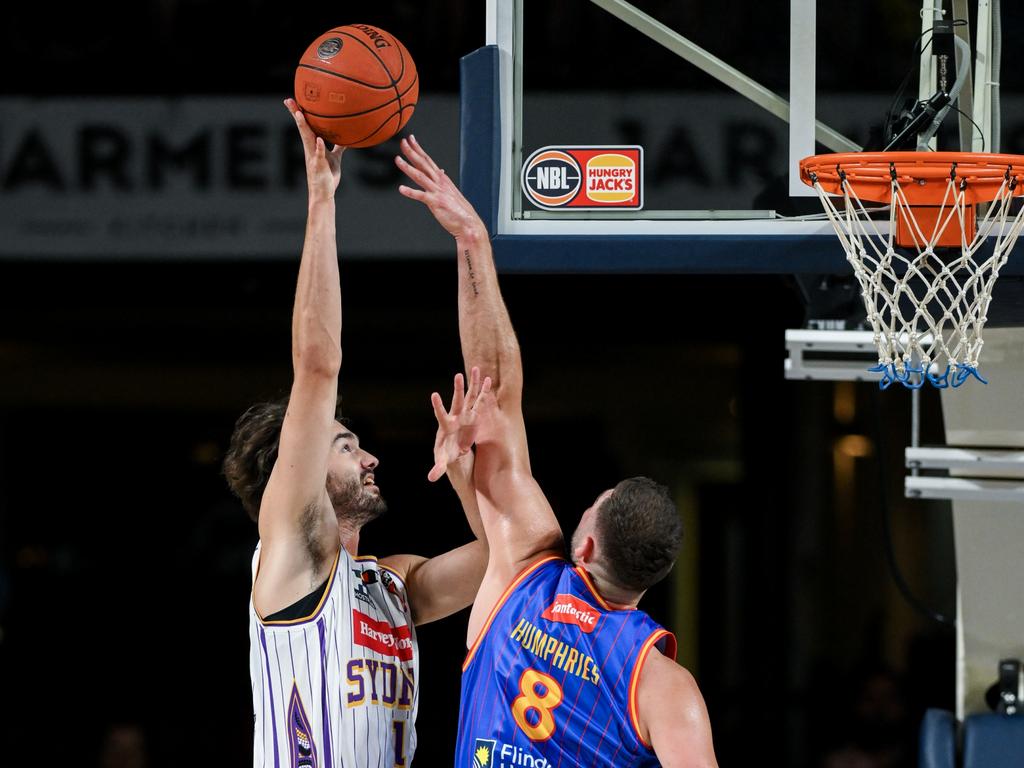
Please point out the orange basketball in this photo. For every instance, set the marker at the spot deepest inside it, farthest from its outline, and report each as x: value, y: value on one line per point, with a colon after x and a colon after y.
x: 356, y: 85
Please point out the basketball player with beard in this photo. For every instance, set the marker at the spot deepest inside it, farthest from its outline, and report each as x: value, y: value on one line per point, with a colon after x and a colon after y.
x: 333, y: 655
x: 562, y: 668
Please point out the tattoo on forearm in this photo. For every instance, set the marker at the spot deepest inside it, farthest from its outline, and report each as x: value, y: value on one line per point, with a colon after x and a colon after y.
x: 472, y: 274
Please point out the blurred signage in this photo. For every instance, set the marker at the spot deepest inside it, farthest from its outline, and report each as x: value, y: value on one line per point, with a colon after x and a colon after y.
x: 223, y: 177
x: 195, y: 177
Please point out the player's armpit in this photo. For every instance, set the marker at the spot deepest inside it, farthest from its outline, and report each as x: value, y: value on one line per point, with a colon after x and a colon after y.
x: 289, y: 568
x: 297, y: 525
x: 439, y: 586
x: 673, y: 718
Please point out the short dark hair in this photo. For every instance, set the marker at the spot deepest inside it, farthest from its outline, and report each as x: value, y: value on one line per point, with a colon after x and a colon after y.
x: 640, y: 532
x: 253, y: 451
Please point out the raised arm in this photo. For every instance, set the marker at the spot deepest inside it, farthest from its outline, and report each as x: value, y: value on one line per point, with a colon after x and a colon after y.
x: 485, y: 329
x: 519, y: 521
x: 298, y: 529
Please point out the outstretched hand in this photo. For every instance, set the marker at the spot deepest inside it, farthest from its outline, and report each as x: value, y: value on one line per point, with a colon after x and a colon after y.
x: 438, y: 192
x: 323, y: 167
x: 456, y: 427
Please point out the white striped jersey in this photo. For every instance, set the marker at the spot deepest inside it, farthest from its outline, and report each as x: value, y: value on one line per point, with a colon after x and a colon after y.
x: 338, y: 688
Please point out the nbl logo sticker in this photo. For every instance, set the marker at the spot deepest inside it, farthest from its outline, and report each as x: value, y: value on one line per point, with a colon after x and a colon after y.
x: 551, y: 178
x: 585, y: 178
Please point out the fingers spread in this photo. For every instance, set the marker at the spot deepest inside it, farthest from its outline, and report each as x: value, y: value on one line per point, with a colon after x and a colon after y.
x: 428, y: 160
x: 439, y: 412
x: 415, y: 173
x: 458, y: 395
x: 474, y: 384
x: 414, y: 194
x: 420, y: 160
x: 484, y: 388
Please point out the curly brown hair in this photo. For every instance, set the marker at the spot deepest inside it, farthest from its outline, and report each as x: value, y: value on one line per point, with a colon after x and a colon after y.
x: 253, y: 451
x: 641, y: 532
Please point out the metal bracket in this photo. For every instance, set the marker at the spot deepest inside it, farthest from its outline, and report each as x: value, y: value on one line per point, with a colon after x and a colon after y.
x: 976, y: 474
x: 830, y: 355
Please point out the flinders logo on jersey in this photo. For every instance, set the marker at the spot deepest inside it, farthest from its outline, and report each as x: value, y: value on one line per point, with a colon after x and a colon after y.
x: 381, y: 637
x: 483, y: 753
x: 489, y: 753
x: 569, y: 609
x: 584, y: 177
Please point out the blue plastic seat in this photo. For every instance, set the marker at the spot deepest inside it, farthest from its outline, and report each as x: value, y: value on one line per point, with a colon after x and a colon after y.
x: 993, y: 741
x: 937, y: 748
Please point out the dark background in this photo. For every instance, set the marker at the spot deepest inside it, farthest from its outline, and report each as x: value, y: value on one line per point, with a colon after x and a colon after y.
x: 124, y: 560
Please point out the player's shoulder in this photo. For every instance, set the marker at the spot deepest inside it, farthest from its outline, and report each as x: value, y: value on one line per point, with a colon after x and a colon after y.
x: 666, y: 686
x: 400, y: 566
x: 670, y: 714
x: 548, y: 561
x: 660, y: 671
x: 391, y: 577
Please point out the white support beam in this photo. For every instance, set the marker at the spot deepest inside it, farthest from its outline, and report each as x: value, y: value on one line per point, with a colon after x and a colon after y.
x: 963, y: 489
x: 501, y: 23
x: 975, y: 461
x: 965, y: 101
x: 931, y: 11
x: 983, y: 78
x: 802, y: 90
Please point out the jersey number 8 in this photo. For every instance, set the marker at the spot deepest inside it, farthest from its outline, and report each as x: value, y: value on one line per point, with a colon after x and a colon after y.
x: 540, y: 725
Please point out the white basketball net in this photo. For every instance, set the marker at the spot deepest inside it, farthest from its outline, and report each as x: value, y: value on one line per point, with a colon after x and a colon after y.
x: 927, y: 312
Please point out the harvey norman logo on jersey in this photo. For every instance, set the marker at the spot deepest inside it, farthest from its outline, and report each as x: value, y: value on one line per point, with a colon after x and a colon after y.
x: 381, y: 637
x: 585, y: 177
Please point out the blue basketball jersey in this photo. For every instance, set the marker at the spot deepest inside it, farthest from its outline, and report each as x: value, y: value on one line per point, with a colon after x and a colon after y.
x: 551, y: 680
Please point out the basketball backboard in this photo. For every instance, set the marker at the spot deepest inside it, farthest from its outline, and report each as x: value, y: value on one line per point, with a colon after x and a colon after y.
x: 718, y: 104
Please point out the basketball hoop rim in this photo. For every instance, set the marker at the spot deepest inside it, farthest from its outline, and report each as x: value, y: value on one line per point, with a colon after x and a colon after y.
x: 870, y: 174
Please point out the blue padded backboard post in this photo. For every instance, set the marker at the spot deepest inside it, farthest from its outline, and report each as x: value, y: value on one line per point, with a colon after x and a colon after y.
x: 480, y: 138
